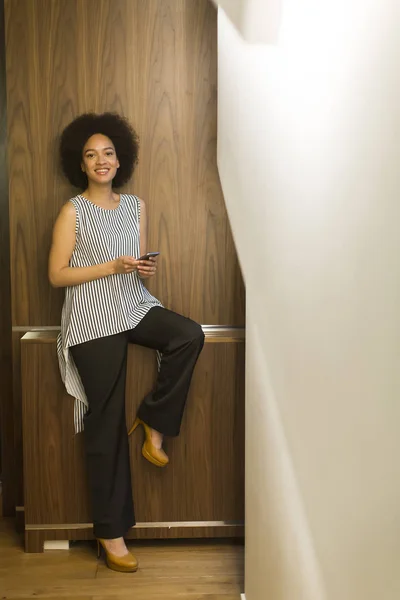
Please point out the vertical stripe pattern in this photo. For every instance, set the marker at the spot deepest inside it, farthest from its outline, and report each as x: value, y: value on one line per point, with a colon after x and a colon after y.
x: 105, y: 306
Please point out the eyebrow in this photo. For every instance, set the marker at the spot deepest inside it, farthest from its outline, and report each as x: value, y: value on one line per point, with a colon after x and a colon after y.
x: 93, y: 149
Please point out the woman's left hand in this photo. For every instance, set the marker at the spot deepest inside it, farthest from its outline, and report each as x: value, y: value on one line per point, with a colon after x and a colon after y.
x: 147, y: 268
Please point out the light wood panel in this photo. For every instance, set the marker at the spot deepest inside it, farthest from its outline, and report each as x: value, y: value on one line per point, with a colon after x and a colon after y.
x: 195, y: 571
x: 155, y: 62
x: 197, y: 495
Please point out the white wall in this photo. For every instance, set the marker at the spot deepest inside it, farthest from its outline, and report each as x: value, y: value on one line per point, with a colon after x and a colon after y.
x: 245, y: 16
x: 309, y: 158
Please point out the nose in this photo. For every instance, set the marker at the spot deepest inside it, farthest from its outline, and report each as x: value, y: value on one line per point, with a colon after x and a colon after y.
x: 100, y: 159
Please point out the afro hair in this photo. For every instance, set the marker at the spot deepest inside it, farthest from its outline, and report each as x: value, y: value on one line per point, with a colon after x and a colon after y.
x: 113, y: 126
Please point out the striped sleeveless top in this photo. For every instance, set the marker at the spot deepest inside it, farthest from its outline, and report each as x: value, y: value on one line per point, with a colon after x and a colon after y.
x: 105, y: 306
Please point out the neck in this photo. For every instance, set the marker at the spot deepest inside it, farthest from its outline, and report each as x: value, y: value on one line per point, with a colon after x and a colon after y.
x: 99, y: 194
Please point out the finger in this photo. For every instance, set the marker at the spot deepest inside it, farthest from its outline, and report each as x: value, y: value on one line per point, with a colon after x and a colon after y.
x: 126, y: 264
x: 145, y: 272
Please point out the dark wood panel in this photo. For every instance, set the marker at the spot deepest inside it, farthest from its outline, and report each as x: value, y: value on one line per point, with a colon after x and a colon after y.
x: 17, y: 453
x: 205, y: 479
x: 17, y: 461
x: 207, y: 459
x: 42, y: 97
x: 54, y: 469
x: 6, y: 401
x: 155, y: 62
x: 147, y: 372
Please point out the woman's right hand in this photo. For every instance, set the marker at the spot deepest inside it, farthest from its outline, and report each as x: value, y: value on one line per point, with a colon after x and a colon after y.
x: 125, y: 264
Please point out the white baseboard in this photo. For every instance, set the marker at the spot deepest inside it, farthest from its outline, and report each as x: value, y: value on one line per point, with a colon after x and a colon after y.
x: 242, y: 597
x: 56, y: 545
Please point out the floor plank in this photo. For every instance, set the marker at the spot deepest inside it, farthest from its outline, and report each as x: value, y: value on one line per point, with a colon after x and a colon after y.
x: 205, y: 570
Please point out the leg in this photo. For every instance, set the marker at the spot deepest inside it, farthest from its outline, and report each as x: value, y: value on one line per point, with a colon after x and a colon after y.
x: 180, y: 341
x: 102, y: 367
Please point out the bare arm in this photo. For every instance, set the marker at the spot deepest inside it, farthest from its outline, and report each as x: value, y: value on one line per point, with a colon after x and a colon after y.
x: 143, y: 228
x: 63, y: 244
x: 146, y: 268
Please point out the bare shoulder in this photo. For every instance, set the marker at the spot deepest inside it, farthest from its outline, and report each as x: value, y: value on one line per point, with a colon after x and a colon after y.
x: 68, y: 209
x: 142, y: 205
x: 66, y: 220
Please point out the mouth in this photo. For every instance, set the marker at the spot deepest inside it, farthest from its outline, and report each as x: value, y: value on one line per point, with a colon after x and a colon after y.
x: 102, y: 171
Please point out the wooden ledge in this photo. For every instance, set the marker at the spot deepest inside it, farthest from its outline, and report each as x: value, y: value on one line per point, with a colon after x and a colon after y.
x: 40, y: 337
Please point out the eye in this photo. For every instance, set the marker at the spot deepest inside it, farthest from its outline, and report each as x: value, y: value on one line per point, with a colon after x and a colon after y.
x: 90, y: 155
x: 110, y: 153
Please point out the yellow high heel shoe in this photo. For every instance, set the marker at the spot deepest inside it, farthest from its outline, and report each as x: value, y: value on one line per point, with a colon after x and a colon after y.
x: 123, y: 564
x: 150, y: 452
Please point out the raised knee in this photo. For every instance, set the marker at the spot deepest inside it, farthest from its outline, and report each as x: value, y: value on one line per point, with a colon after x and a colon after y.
x: 196, y: 333
x: 199, y: 334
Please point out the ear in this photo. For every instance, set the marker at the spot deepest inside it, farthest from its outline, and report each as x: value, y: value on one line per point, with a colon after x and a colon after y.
x: 83, y: 167
x: 118, y: 165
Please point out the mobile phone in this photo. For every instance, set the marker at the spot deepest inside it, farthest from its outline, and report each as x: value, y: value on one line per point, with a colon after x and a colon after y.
x: 148, y: 255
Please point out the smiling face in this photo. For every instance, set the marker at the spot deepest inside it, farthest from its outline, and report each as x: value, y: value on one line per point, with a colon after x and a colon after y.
x: 99, y: 159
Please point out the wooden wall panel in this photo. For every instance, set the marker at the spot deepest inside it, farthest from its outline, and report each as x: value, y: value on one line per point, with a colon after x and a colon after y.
x: 17, y: 414
x: 204, y: 482
x: 53, y: 455
x: 155, y: 62
x: 207, y: 459
x: 6, y: 405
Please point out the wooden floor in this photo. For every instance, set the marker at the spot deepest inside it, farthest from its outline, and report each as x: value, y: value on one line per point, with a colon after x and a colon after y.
x: 167, y: 571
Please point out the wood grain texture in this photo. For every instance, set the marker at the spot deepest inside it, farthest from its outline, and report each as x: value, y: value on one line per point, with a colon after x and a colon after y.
x: 196, y: 570
x: 53, y: 455
x: 6, y: 399
x: 16, y: 453
x: 204, y: 481
x: 17, y: 460
x: 146, y: 374
x: 156, y: 63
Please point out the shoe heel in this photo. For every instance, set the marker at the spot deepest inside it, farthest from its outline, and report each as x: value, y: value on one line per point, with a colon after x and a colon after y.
x: 148, y: 450
x: 134, y: 426
x: 123, y: 564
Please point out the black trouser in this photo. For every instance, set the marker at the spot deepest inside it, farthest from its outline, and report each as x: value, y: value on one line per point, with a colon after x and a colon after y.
x: 102, y: 367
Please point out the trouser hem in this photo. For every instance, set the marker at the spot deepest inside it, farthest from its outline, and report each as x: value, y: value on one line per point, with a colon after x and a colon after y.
x: 110, y: 532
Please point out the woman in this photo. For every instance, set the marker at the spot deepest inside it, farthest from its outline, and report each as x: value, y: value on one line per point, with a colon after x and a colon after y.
x: 98, y: 241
